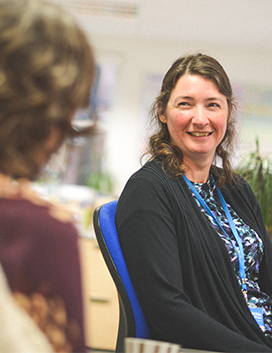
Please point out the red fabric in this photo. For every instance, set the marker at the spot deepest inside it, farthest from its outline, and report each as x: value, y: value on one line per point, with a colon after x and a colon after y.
x: 38, y: 251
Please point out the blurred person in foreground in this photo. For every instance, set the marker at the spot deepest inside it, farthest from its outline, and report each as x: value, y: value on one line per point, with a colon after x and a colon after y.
x: 192, y: 232
x: 46, y: 74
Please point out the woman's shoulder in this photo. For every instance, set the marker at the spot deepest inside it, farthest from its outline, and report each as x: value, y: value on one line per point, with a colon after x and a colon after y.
x: 153, y: 170
x: 150, y: 185
x: 23, y: 209
x: 238, y: 189
x: 148, y: 179
x: 237, y: 181
x: 36, y: 208
x: 22, y: 195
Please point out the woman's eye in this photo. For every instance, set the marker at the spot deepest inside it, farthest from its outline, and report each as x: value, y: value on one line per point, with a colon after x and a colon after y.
x: 183, y: 103
x: 214, y: 105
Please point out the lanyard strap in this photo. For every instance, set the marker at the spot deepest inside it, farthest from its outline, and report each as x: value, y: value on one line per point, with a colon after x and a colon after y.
x: 240, y: 250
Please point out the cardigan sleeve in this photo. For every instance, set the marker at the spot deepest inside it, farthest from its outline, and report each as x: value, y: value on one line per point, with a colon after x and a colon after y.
x: 146, y: 223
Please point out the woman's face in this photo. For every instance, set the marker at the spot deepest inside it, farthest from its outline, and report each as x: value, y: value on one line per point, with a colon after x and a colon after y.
x: 196, y: 117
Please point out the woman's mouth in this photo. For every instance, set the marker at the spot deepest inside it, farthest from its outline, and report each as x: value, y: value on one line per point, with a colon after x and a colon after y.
x: 200, y: 134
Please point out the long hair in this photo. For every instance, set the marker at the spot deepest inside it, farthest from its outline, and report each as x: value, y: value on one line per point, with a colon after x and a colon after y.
x: 46, y: 73
x: 160, y: 145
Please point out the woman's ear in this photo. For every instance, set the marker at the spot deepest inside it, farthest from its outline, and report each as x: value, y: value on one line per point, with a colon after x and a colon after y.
x: 162, y: 117
x: 230, y: 111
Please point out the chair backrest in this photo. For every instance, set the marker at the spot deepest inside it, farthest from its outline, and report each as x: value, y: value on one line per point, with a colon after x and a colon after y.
x: 132, y: 322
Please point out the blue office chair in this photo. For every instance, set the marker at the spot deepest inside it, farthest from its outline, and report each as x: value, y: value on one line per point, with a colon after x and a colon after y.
x: 132, y: 322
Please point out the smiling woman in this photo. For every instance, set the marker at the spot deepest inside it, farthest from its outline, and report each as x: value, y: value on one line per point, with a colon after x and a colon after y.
x: 177, y: 85
x: 196, y: 117
x: 192, y: 233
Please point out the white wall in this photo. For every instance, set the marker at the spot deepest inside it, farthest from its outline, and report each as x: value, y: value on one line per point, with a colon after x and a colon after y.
x: 137, y: 57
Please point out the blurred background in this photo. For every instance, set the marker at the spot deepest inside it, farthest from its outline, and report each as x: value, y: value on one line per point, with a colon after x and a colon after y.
x: 135, y: 42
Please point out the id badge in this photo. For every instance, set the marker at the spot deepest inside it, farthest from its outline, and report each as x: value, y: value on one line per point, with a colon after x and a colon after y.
x: 257, y: 313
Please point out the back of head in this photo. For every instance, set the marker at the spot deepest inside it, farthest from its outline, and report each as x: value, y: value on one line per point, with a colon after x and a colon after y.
x: 46, y: 73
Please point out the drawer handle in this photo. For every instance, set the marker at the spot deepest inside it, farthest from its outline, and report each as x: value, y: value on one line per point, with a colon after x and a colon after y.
x: 99, y: 300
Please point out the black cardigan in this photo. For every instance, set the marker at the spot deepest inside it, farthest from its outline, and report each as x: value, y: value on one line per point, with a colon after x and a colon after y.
x: 180, y: 267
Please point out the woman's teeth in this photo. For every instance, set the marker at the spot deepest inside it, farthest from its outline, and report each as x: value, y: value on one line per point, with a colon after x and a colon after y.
x: 200, y: 134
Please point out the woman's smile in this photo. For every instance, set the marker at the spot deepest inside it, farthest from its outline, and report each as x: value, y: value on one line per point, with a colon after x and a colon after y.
x: 199, y: 134
x: 196, y: 117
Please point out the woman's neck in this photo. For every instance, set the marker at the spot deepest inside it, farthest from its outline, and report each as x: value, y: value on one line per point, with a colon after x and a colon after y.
x: 10, y: 188
x: 197, y: 176
x: 197, y: 171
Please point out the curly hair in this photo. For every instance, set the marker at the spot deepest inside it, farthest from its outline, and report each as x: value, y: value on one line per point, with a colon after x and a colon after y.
x: 46, y: 73
x: 160, y: 145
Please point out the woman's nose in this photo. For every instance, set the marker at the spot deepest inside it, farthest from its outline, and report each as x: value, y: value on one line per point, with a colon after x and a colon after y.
x: 200, y: 116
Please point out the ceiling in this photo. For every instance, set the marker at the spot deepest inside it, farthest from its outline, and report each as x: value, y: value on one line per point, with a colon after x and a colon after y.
x: 242, y: 23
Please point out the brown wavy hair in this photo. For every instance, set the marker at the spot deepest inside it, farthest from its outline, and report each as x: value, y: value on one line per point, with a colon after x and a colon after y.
x: 160, y: 145
x: 46, y: 73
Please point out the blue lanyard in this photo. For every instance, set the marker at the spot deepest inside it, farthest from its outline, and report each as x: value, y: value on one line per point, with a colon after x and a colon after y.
x: 240, y: 251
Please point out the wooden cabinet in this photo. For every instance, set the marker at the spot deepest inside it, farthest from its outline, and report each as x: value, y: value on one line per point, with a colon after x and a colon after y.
x: 101, y: 306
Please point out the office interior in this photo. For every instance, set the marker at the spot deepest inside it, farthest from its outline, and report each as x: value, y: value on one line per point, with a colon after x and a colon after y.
x: 135, y: 42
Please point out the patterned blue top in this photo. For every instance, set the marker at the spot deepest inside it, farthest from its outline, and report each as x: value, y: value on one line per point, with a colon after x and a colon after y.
x: 253, y: 249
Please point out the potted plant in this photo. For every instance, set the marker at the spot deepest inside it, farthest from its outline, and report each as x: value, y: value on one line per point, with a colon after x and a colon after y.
x: 257, y: 170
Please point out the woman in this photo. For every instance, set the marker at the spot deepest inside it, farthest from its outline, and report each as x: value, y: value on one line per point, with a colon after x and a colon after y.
x: 185, y: 224
x: 46, y: 74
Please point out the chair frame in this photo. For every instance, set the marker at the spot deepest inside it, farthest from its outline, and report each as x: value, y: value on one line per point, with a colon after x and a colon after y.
x: 129, y: 306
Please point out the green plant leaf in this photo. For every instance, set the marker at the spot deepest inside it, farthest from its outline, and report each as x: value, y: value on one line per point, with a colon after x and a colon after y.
x: 256, y: 170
